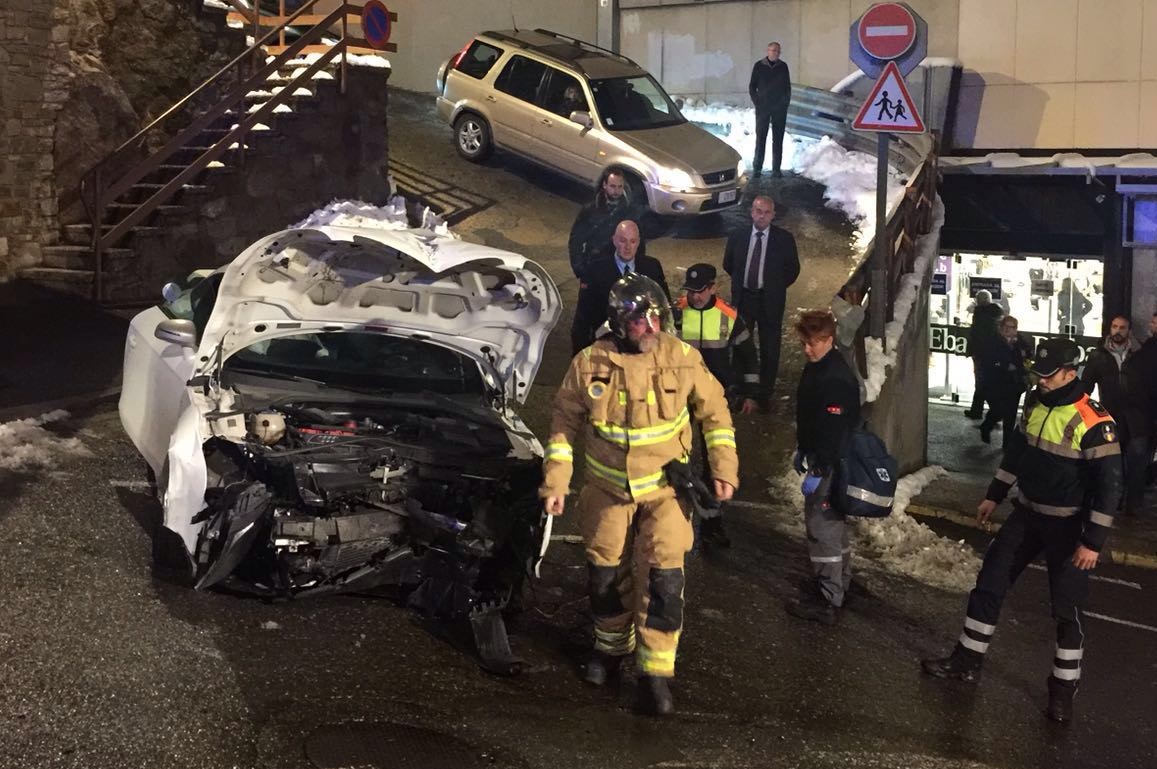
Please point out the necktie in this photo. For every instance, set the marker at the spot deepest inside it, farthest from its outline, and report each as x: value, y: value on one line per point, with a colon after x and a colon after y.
x: 627, y: 269
x: 755, y: 263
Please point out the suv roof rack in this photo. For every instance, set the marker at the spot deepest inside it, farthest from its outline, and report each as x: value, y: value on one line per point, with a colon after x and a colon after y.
x: 586, y: 46
x: 542, y: 50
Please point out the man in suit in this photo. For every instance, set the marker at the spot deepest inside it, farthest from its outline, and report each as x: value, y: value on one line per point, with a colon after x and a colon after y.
x: 620, y: 259
x: 770, y: 90
x: 762, y: 261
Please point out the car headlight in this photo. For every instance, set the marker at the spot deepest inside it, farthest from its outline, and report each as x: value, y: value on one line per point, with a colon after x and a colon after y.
x: 739, y: 168
x: 675, y: 178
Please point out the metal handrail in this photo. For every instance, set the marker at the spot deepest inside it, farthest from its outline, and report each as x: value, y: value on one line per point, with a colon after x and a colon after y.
x: 96, y: 196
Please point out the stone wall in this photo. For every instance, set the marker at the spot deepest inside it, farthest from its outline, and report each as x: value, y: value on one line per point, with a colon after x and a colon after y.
x: 332, y: 147
x: 77, y: 78
x: 33, y: 80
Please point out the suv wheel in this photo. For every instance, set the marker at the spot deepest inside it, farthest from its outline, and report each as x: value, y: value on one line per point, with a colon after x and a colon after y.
x: 472, y: 137
x: 636, y: 190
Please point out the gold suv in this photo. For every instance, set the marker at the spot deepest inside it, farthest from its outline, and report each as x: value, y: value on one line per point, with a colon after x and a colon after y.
x: 577, y: 109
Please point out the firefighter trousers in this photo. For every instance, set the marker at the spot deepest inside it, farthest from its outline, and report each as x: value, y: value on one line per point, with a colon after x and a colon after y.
x: 1023, y: 537
x: 828, y: 545
x: 635, y: 554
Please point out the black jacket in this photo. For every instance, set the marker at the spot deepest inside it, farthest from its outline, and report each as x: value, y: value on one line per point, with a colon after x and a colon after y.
x: 591, y: 232
x: 984, y: 331
x: 780, y: 265
x: 827, y: 410
x: 601, y: 275
x: 1124, y: 390
x: 1004, y: 366
x: 1065, y: 459
x: 770, y: 86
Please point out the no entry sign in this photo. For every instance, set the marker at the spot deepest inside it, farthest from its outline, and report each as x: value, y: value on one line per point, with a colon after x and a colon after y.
x: 887, y: 31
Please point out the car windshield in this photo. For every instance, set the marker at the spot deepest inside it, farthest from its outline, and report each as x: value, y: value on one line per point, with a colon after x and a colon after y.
x: 361, y: 361
x: 633, y: 103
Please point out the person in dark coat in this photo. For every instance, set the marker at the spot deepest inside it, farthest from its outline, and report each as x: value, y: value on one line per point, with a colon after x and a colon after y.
x: 770, y: 91
x: 1120, y: 378
x: 590, y: 235
x: 621, y: 258
x: 827, y: 410
x: 981, y: 337
x: 1004, y: 379
x: 762, y: 261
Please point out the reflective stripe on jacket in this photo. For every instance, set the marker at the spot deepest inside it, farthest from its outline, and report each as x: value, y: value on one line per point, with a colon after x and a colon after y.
x: 634, y: 412
x: 1065, y: 459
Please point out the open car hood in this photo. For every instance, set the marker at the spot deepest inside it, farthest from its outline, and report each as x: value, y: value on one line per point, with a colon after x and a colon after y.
x: 492, y: 305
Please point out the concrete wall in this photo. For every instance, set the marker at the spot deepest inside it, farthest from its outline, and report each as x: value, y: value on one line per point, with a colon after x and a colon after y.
x: 430, y: 31
x: 1038, y: 73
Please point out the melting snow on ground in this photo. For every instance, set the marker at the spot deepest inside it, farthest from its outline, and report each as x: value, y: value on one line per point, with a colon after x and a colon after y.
x: 354, y: 59
x: 358, y: 213
x: 898, y: 543
x: 26, y: 446
x: 849, y: 177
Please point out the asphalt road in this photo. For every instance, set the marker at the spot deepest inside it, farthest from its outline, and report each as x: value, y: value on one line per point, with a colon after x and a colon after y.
x: 103, y: 665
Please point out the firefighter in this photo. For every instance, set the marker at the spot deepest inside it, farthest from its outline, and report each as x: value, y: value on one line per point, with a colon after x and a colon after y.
x: 1065, y: 459
x: 713, y: 327
x: 632, y: 395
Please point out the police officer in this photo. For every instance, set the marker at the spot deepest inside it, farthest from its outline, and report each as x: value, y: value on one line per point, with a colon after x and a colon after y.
x: 714, y: 328
x: 1066, y: 462
x: 632, y: 395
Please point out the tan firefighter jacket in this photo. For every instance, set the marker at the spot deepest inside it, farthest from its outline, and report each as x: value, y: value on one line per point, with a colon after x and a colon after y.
x: 635, y: 413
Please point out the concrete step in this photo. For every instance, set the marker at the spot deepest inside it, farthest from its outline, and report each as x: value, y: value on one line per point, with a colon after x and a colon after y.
x: 73, y: 282
x: 81, y: 257
x: 81, y: 234
x: 115, y: 212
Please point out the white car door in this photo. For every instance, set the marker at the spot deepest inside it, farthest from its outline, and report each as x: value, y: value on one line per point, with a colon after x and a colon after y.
x: 153, y: 387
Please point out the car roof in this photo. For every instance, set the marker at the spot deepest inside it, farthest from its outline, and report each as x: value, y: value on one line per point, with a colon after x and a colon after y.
x: 586, y: 58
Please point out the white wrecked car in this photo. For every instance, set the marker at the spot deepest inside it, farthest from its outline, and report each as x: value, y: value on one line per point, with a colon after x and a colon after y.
x: 333, y: 412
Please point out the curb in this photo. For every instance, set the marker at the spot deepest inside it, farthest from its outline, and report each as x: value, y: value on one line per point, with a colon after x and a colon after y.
x: 1118, y: 557
x: 70, y: 403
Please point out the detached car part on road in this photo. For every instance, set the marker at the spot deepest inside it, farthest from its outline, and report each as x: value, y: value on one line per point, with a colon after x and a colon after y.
x: 579, y: 109
x: 333, y: 412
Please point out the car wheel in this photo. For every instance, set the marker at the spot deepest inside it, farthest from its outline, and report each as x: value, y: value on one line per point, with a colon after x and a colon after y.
x: 472, y: 137
x: 637, y: 191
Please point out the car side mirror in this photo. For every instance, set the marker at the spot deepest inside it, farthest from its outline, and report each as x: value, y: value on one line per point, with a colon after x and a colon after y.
x: 177, y: 331
x: 679, y: 102
x: 583, y: 118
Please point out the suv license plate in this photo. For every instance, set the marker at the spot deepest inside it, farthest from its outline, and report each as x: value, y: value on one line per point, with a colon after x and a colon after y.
x: 727, y: 196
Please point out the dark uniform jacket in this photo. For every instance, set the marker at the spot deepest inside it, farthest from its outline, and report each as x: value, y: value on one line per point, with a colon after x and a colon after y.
x: 722, y: 338
x: 984, y: 333
x: 770, y: 85
x: 602, y: 274
x: 827, y: 410
x: 1065, y: 459
x: 780, y: 264
x: 591, y: 232
x: 1124, y: 389
x: 1004, y: 367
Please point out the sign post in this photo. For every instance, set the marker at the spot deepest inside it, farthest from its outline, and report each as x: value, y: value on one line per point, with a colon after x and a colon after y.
x: 887, y: 42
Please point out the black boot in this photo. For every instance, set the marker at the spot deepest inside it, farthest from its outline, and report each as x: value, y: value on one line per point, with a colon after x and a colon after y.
x: 600, y: 668
x: 711, y: 530
x: 1060, y: 707
x: 655, y: 696
x: 958, y: 667
x: 814, y: 607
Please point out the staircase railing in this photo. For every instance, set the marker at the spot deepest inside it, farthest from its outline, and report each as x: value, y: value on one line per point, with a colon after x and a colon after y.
x: 104, y: 183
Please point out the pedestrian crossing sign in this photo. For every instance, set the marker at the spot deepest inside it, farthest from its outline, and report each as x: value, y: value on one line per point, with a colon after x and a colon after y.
x: 889, y: 107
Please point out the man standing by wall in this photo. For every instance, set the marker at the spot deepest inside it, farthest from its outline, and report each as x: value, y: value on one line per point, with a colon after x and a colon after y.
x: 633, y: 395
x: 762, y: 261
x: 770, y: 90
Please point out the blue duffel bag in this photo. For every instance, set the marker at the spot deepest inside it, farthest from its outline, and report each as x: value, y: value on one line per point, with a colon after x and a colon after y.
x: 865, y: 484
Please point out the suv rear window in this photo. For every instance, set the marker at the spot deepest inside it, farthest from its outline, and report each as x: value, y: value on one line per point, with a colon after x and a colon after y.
x: 478, y: 59
x: 521, y: 77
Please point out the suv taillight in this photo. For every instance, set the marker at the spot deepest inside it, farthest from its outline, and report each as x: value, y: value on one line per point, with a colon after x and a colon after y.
x: 458, y: 58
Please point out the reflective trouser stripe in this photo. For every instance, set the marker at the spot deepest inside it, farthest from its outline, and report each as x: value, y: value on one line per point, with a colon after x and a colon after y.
x: 1066, y: 674
x: 617, y: 642
x: 1067, y: 663
x: 977, y: 646
x: 656, y: 662
x: 827, y: 559
x: 978, y: 626
x: 1069, y: 654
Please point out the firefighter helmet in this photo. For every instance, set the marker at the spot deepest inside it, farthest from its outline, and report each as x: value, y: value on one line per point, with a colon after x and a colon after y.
x: 635, y: 296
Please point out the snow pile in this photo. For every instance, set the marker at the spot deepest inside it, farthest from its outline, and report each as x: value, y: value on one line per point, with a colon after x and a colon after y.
x: 898, y: 543
x: 358, y: 213
x: 849, y: 177
x: 25, y: 445
x: 849, y: 180
x: 878, y: 361
x: 354, y: 59
x: 901, y: 543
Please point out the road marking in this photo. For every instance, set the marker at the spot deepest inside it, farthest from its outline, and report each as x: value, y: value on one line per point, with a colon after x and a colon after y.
x: 134, y: 485
x: 1112, y: 580
x: 1126, y: 622
x: 886, y: 31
